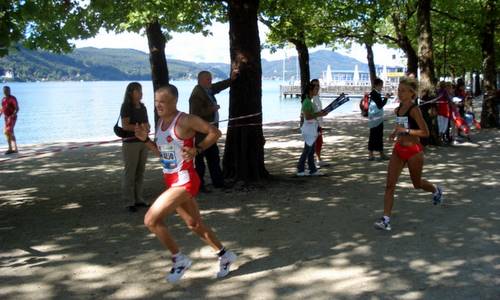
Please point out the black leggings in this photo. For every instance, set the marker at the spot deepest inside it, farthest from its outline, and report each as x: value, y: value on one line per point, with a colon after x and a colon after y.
x: 376, y: 139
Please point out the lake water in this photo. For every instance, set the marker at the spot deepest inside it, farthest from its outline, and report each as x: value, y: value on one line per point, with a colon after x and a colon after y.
x: 79, y: 111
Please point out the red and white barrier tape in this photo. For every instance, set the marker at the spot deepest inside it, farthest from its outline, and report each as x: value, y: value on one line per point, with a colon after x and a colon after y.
x: 242, y: 117
x: 87, y: 145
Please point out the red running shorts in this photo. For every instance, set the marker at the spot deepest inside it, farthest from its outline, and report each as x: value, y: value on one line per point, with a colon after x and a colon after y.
x: 188, y: 179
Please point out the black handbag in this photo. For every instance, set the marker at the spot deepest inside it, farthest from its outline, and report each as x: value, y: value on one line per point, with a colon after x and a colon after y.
x: 118, y: 130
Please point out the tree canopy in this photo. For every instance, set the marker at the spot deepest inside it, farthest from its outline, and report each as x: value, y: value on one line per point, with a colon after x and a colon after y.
x: 49, y: 25
x: 447, y: 38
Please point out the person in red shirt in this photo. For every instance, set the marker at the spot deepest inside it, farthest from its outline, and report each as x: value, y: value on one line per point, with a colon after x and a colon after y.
x: 444, y: 110
x: 9, y: 110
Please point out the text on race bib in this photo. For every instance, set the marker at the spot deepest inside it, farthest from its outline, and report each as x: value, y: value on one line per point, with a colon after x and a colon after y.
x: 168, y: 157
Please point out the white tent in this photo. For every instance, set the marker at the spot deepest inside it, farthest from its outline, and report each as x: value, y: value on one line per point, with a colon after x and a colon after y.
x: 328, y: 76
x: 355, y: 76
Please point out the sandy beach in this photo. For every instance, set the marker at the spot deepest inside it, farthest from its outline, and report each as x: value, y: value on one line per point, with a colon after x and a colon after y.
x: 65, y: 234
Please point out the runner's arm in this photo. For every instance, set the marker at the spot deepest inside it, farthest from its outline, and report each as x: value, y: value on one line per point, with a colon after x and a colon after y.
x: 141, y: 132
x: 197, y: 124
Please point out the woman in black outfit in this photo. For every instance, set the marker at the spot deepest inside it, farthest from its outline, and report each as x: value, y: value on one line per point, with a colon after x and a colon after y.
x: 134, y: 151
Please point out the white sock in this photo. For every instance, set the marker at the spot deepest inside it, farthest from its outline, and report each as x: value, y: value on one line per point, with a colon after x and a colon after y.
x: 387, y: 219
x: 176, y: 255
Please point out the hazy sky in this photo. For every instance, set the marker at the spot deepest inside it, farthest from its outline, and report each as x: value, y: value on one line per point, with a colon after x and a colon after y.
x: 215, y: 48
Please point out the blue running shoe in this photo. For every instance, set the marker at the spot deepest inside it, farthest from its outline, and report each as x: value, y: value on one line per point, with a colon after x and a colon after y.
x: 437, y: 197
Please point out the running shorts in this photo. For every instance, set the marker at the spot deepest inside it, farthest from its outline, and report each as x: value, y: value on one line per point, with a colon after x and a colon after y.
x: 407, y: 152
x: 10, y: 122
x: 188, y: 179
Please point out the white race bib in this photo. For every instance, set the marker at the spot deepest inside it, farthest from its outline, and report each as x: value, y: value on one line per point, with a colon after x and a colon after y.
x: 402, y: 121
x: 167, y: 156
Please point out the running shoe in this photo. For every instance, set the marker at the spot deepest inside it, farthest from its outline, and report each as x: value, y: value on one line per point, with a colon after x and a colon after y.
x: 181, y: 264
x: 301, y: 174
x: 317, y: 173
x: 322, y: 163
x: 225, y: 262
x: 382, y: 224
x: 132, y: 208
x: 437, y: 197
x: 383, y: 157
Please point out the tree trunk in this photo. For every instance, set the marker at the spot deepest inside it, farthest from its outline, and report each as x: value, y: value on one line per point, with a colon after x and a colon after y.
x: 371, y: 63
x: 244, y: 150
x: 489, y: 113
x: 404, y: 43
x: 425, y: 54
x: 157, y: 58
x: 412, y: 58
x: 303, y: 54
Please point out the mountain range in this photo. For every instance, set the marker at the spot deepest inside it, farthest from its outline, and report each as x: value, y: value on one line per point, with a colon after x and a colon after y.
x: 93, y: 64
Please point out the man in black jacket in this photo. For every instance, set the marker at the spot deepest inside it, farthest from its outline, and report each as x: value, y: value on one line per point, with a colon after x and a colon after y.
x: 202, y: 103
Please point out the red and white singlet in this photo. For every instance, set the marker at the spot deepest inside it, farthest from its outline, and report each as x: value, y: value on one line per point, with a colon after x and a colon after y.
x: 176, y: 170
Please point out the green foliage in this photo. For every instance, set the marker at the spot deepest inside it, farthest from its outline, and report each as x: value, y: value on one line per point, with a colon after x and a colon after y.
x: 458, y: 25
x: 44, y: 24
x: 172, y: 15
x: 358, y: 21
x: 302, y: 20
x: 399, y: 21
x: 51, y: 25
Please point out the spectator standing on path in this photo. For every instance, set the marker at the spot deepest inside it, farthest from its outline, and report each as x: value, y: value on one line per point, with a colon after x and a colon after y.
x: 310, y: 132
x: 135, y: 153
x: 202, y: 103
x: 445, y: 94
x: 10, y: 108
x: 174, y: 144
x: 408, y: 151
x: 318, y: 106
x: 462, y: 94
x: 376, y: 120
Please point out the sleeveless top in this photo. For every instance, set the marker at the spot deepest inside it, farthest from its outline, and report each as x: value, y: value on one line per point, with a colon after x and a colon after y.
x: 406, y: 120
x: 170, y: 147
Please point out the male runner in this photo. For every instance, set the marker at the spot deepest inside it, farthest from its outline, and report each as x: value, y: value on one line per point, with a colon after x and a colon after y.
x: 174, y: 144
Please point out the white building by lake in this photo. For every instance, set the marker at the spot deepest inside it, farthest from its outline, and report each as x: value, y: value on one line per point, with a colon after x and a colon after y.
x: 389, y: 74
x: 8, y: 75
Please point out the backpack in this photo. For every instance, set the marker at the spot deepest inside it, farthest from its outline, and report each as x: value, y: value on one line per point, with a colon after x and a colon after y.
x: 363, y: 105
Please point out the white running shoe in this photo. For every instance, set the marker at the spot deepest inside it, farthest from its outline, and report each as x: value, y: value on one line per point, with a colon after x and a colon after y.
x: 382, y: 224
x: 225, y: 262
x: 181, y: 264
x: 301, y: 174
x: 322, y: 163
x: 317, y: 173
